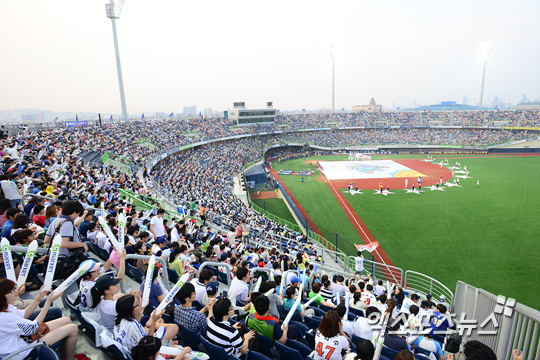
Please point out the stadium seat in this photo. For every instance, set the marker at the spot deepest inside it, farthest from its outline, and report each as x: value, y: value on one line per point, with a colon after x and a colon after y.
x: 312, y: 322
x: 253, y: 355
x: 301, y: 327
x: 355, y: 339
x: 389, y: 353
x: 215, y: 352
x: 46, y: 353
x: 197, y: 305
x: 324, y: 308
x: 310, y: 338
x: 419, y: 350
x: 173, y: 275
x: 288, y: 353
x: 318, y: 312
x: 266, y: 347
x: 134, y: 273
x: 356, y: 312
x: 303, y: 349
x: 421, y: 357
x: 189, y: 338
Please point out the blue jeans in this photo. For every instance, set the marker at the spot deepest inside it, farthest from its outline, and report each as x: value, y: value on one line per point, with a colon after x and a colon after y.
x: 16, y: 202
x: 53, y: 313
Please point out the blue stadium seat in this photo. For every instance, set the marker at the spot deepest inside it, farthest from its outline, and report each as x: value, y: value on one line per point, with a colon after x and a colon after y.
x: 253, y: 355
x: 189, y: 338
x: 356, y: 312
x: 134, y: 273
x: 419, y: 350
x: 197, y: 305
x: 310, y: 338
x: 173, y: 275
x: 312, y: 322
x: 303, y: 349
x: 215, y: 352
x: 266, y: 346
x: 301, y: 327
x: 318, y: 312
x: 355, y: 339
x: 389, y: 353
x: 288, y: 353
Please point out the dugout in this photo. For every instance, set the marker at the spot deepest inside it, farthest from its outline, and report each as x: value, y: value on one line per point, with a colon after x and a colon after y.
x: 255, y: 175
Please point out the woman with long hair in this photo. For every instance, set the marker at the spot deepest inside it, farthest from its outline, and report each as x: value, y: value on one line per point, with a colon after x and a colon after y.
x: 175, y: 263
x: 50, y: 215
x: 16, y: 331
x: 148, y: 349
x: 4, y: 205
x: 128, y: 330
x: 330, y: 340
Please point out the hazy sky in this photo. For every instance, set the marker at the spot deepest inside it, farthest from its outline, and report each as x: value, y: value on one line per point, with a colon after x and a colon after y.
x: 59, y: 55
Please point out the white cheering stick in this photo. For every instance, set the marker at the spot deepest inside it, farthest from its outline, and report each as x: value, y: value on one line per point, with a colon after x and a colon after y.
x: 347, y: 299
x: 121, y: 227
x: 53, y: 259
x: 175, y: 351
x: 109, y: 233
x: 184, y: 279
x: 83, y: 269
x: 148, y: 281
x: 293, y: 309
x: 258, y: 284
x: 269, y: 292
x: 26, y: 263
x: 162, y: 285
x: 8, y: 261
x: 102, y: 209
x: 313, y: 299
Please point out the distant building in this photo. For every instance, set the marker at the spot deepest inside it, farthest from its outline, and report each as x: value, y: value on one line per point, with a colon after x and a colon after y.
x: 528, y: 105
x: 208, y: 112
x: 447, y: 106
x: 35, y: 118
x: 372, y: 107
x: 190, y: 110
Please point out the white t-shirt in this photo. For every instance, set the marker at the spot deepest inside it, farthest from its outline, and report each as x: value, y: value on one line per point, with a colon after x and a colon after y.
x: 406, y: 305
x: 13, y: 326
x: 175, y: 236
x: 329, y: 348
x: 359, y: 263
x: 86, y: 298
x: 364, y: 329
x: 369, y: 299
x: 339, y: 290
x: 159, y: 229
x: 129, y: 333
x: 107, y: 310
x: 200, y: 289
x: 103, y: 241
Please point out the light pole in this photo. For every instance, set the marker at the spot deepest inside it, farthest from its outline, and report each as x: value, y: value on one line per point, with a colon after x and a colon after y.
x: 333, y: 56
x: 485, y: 52
x: 113, y: 10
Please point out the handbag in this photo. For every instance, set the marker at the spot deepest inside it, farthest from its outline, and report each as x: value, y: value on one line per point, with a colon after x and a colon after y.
x: 66, y: 265
x: 42, y: 330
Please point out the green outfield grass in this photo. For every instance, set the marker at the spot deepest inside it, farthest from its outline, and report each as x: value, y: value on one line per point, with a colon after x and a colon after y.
x: 488, y: 237
x: 277, y: 207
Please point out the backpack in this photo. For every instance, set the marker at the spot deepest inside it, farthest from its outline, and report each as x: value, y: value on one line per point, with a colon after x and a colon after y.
x: 453, y: 342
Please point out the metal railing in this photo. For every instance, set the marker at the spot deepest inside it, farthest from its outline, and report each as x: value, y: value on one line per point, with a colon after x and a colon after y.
x: 517, y: 326
x: 426, y: 285
x: 228, y: 269
x: 379, y: 271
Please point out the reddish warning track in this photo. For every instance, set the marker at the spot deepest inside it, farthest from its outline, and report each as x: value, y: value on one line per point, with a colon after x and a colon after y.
x: 263, y: 195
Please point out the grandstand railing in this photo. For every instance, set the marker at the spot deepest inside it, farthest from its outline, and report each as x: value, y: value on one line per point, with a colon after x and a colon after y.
x: 517, y: 325
x: 426, y: 285
x: 228, y: 269
x: 379, y: 271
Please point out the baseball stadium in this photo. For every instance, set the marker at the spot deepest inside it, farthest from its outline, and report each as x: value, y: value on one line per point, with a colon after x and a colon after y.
x: 402, y: 230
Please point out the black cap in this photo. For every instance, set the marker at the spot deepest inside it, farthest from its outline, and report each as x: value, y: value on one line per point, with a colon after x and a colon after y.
x: 415, y: 297
x: 104, y: 281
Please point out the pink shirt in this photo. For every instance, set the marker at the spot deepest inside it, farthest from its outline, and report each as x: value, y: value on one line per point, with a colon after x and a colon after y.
x: 114, y: 259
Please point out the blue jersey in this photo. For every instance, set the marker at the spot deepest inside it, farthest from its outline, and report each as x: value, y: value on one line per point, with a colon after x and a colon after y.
x: 439, y: 322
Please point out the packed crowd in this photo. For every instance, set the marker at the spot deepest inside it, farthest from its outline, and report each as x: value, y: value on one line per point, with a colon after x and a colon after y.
x: 251, y: 317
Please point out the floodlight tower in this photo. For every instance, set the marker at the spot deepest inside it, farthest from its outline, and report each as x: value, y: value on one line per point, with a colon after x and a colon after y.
x: 114, y: 10
x: 485, y: 53
x: 333, y: 56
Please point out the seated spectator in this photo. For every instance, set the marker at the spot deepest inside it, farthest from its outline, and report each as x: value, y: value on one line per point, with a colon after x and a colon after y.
x: 4, y: 205
x: 186, y: 316
x: 11, y: 214
x: 175, y: 263
x: 364, y: 351
x: 289, y: 301
x: 16, y: 328
x: 39, y: 215
x: 156, y: 294
x: 233, y: 339
x: 356, y: 301
x: 205, y: 277
x: 148, y: 349
x: 440, y: 321
x: 346, y: 325
x: 211, y: 292
x: 268, y: 325
x: 362, y: 327
x: 128, y: 330
x: 50, y: 215
x: 239, y: 287
x: 393, y: 339
x: 88, y: 281
x: 428, y: 343
x: 274, y: 298
x: 330, y: 340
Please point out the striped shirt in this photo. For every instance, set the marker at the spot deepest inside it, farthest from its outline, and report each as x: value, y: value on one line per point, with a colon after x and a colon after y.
x: 222, y: 334
x: 239, y: 289
x: 327, y: 294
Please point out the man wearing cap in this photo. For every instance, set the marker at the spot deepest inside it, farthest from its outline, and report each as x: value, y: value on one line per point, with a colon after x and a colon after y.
x: 211, y: 292
x: 429, y: 297
x: 295, y: 283
x: 159, y: 245
x: 408, y: 302
x: 444, y: 302
x: 89, y: 280
x: 428, y: 343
